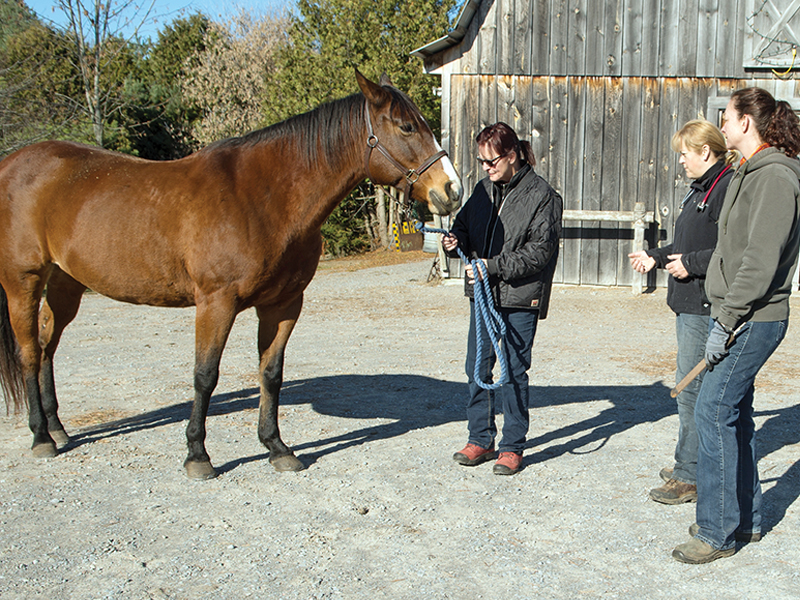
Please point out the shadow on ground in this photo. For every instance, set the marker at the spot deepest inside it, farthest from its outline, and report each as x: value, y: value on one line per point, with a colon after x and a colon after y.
x: 413, y: 402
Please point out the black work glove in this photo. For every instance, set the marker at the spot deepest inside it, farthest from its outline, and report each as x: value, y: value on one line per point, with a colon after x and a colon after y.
x: 716, y: 345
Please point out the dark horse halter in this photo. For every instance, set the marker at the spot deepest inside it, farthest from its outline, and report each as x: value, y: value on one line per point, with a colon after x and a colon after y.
x: 411, y: 175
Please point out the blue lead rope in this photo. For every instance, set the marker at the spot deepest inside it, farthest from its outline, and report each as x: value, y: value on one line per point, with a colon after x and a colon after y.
x: 486, y: 318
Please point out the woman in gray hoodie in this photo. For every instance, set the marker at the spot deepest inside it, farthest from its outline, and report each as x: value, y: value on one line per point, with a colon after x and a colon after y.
x: 748, y: 283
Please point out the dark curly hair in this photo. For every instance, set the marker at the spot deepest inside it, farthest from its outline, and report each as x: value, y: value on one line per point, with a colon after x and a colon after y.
x: 775, y: 121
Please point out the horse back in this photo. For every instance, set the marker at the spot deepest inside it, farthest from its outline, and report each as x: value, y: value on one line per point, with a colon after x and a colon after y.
x: 140, y: 231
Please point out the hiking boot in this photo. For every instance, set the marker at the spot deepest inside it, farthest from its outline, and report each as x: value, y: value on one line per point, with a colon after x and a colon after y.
x: 473, y: 454
x: 508, y: 463
x: 697, y: 552
x: 740, y: 536
x: 674, y: 492
x: 666, y: 474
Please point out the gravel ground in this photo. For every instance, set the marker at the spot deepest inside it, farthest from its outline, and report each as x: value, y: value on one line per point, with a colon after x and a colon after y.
x: 373, y: 404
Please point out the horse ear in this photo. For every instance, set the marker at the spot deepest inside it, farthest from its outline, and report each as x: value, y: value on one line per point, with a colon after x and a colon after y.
x: 372, y: 91
x: 385, y: 80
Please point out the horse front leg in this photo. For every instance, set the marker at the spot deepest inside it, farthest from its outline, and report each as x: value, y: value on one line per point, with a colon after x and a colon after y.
x: 59, y: 308
x: 274, y: 328
x: 213, y: 323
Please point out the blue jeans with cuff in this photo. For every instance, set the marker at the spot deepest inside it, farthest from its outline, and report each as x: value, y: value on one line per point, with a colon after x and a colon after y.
x: 692, y: 333
x: 728, y: 488
x: 520, y: 330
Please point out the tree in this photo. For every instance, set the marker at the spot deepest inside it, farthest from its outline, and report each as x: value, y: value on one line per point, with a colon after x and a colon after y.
x: 99, y: 46
x: 159, y: 119
x: 227, y: 79
x: 14, y: 17
x: 37, y: 84
x: 329, y: 38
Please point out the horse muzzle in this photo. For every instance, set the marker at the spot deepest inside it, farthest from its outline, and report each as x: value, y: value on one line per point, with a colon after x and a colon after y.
x: 447, y: 200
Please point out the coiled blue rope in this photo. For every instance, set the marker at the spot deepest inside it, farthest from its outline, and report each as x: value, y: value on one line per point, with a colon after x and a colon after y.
x: 486, y: 318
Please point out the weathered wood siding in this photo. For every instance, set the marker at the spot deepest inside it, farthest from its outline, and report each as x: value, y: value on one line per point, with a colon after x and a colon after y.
x: 642, y: 38
x: 602, y: 142
x: 598, y: 88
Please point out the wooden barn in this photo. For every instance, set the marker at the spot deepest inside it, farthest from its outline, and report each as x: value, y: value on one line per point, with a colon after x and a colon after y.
x: 599, y: 88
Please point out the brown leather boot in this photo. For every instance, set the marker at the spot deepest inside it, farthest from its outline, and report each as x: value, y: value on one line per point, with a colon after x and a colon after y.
x: 674, y: 492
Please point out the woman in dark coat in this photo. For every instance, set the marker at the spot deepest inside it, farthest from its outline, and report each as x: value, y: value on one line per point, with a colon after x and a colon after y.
x: 706, y: 160
x: 512, y: 223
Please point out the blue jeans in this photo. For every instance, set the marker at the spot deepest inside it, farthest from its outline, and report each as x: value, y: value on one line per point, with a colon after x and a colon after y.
x: 728, y: 489
x: 520, y: 329
x: 692, y: 333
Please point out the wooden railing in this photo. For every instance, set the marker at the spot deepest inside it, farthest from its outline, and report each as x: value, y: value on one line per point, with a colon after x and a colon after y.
x: 638, y: 216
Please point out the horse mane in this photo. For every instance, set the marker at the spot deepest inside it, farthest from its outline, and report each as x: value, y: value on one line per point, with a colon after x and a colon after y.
x: 318, y: 136
x: 321, y: 135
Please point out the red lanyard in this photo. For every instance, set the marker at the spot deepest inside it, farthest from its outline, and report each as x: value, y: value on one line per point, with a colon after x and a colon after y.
x: 701, y: 207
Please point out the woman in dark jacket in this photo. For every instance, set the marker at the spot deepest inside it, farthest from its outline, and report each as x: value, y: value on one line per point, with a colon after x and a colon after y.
x: 706, y: 160
x: 512, y: 222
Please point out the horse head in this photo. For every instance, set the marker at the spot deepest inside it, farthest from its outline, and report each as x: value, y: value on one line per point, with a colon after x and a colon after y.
x: 408, y: 156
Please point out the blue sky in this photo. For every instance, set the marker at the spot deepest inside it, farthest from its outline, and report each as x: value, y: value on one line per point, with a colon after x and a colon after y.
x: 167, y: 11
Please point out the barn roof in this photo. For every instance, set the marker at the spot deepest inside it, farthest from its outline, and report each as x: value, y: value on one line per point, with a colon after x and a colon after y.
x: 454, y: 36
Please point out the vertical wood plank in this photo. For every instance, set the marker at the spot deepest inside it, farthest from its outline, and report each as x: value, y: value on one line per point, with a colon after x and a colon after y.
x: 519, y: 117
x: 539, y: 135
x: 667, y: 159
x: 707, y: 37
x: 522, y: 35
x: 595, y: 42
x: 612, y: 149
x: 541, y: 46
x: 632, y: 42
x: 592, y: 179
x: 575, y: 160
x: 612, y: 37
x: 470, y: 117
x: 668, y: 36
x: 576, y: 41
x: 630, y: 164
x: 689, y: 15
x: 557, y: 150
x: 507, y: 108
x: 651, y: 138
x: 651, y: 38
x: 505, y: 47
x: 487, y: 57
x: 725, y: 48
x: 559, y: 33
x: 487, y: 101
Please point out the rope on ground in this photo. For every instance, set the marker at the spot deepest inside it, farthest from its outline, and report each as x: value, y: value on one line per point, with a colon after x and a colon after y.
x: 487, y: 319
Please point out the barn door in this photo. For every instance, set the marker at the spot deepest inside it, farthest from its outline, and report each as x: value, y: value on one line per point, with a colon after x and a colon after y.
x: 772, y: 35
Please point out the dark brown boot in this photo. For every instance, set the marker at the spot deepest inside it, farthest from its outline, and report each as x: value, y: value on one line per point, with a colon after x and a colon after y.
x: 674, y: 492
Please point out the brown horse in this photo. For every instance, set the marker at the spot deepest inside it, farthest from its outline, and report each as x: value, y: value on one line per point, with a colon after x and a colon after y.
x: 233, y: 226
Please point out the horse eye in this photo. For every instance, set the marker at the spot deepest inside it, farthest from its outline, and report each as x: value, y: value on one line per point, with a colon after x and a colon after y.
x: 407, y: 128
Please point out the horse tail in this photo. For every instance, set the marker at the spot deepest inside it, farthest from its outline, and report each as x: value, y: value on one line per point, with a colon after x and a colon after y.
x: 10, y: 367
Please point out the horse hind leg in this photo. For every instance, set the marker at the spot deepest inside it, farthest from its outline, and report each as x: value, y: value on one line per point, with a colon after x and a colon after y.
x: 274, y: 328
x: 61, y: 303
x: 23, y: 297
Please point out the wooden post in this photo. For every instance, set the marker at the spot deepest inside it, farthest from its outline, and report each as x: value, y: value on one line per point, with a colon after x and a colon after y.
x: 639, y: 227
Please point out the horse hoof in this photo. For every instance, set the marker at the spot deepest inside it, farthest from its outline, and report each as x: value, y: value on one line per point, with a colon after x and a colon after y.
x: 46, y: 450
x: 200, y: 470
x: 60, y: 437
x: 287, y: 462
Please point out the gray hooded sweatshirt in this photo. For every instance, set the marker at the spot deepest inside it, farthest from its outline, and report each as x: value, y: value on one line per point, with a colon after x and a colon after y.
x: 749, y: 276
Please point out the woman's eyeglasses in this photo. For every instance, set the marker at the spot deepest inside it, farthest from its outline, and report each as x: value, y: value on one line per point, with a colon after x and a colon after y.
x: 491, y: 162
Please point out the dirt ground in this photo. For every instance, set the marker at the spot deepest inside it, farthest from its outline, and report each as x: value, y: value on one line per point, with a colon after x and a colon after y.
x: 373, y: 405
